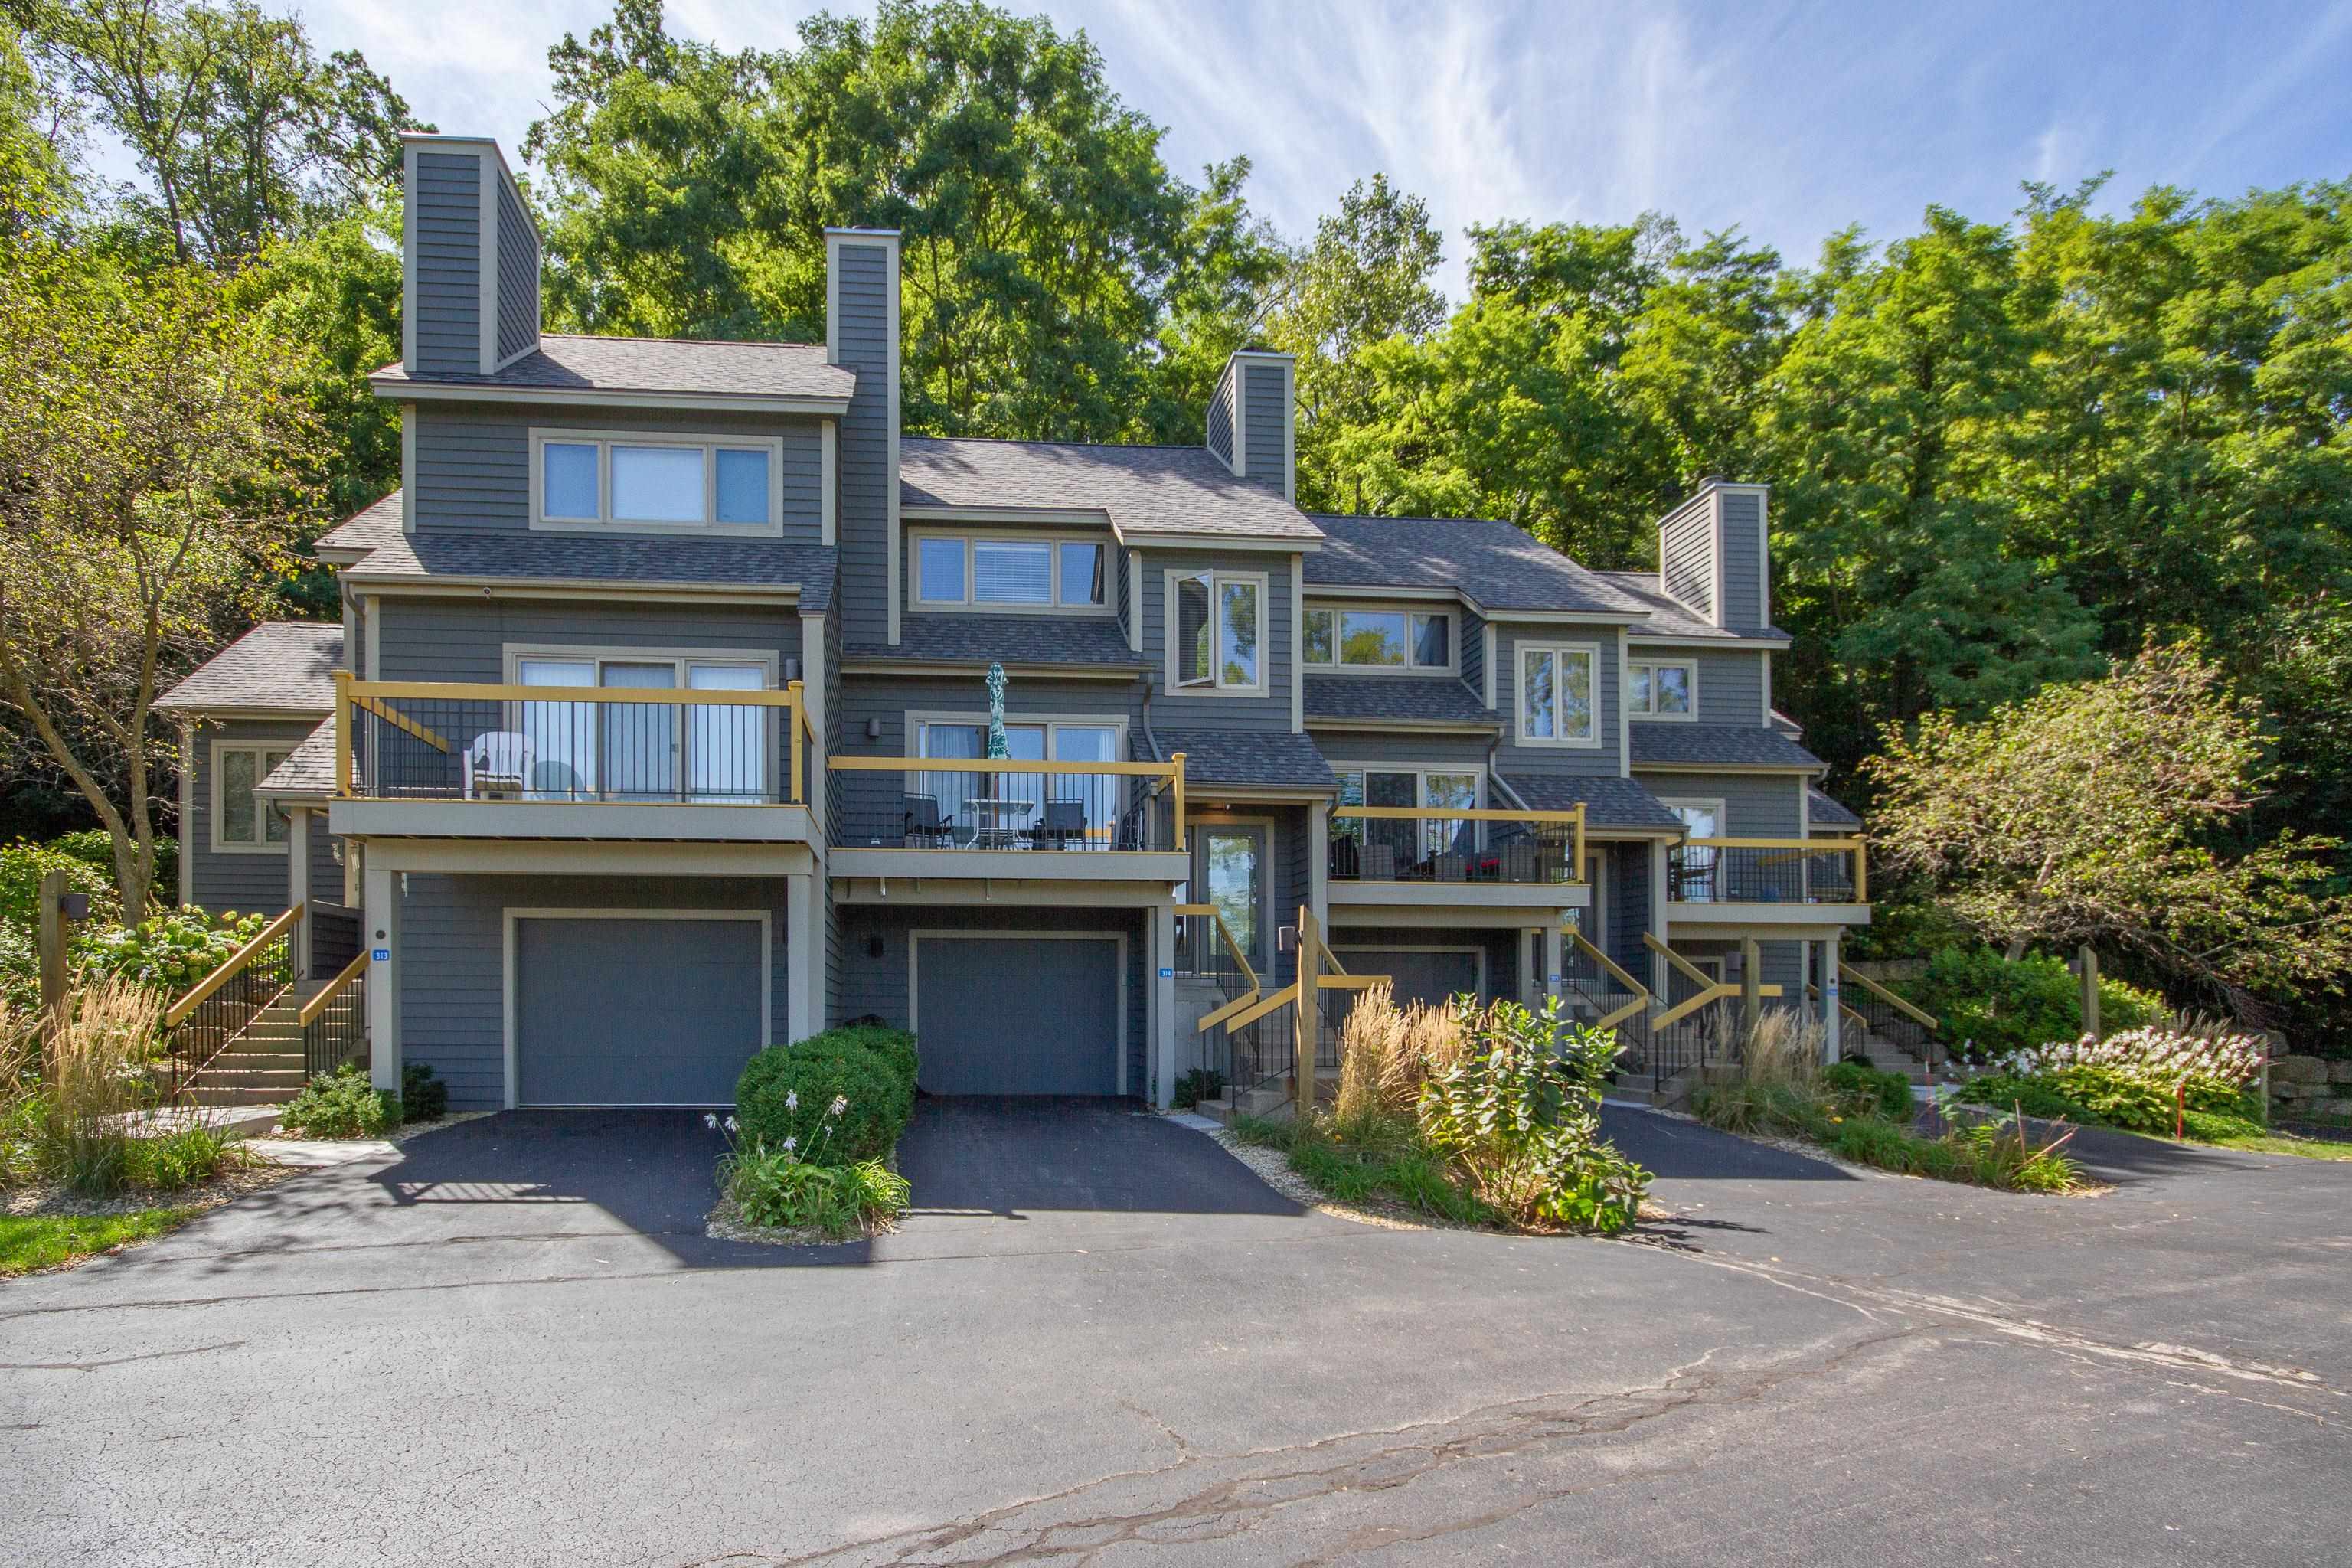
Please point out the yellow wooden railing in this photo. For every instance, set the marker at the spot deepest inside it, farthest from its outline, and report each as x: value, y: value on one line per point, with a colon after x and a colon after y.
x: 1573, y: 819
x: 334, y: 989
x: 1641, y: 1000
x: 1917, y: 1014
x: 382, y: 699
x: 1241, y: 962
x: 232, y: 966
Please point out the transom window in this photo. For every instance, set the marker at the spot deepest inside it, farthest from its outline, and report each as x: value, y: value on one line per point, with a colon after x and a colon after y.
x: 241, y: 819
x: 1220, y: 631
x: 1657, y: 689
x: 585, y: 479
x: 1379, y: 640
x: 1556, y: 704
x: 977, y: 572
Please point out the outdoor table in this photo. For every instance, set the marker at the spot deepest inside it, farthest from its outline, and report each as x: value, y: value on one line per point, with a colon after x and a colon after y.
x: 996, y: 821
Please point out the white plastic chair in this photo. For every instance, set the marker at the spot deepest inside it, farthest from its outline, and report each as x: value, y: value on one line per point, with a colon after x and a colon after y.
x: 499, y: 760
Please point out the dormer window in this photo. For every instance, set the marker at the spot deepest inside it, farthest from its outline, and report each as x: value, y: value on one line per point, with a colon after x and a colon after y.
x: 1379, y: 640
x: 1008, y: 571
x: 1662, y: 688
x: 584, y: 480
x: 1216, y: 630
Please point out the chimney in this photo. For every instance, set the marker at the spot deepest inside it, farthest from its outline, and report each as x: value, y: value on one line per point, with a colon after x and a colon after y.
x: 1712, y: 555
x: 470, y: 253
x: 1252, y: 415
x: 861, y: 332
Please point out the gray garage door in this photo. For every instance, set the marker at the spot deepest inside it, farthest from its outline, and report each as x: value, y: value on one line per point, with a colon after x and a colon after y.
x: 1430, y: 977
x: 635, y: 1011
x: 1017, y: 1015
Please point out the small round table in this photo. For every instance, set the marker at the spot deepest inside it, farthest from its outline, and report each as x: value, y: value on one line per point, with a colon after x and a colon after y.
x: 997, y: 821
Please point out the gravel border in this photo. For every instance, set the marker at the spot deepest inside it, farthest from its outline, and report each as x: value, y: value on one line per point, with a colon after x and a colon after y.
x: 52, y: 1200
x: 726, y: 1223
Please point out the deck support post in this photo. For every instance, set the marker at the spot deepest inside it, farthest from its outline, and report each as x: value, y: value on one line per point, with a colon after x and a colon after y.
x: 1162, y: 950
x: 379, y: 933
x: 1309, y: 1013
x: 1555, y: 951
x: 803, y: 942
x: 1751, y: 981
x: 1833, y: 1012
x: 298, y: 887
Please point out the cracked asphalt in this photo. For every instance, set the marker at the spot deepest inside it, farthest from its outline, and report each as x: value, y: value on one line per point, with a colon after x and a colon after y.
x: 511, y: 1344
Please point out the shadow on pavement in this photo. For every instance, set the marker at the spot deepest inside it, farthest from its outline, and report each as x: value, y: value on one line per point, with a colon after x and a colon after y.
x: 1675, y: 1149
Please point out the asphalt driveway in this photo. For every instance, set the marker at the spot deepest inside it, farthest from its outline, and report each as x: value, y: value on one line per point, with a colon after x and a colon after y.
x: 511, y: 1344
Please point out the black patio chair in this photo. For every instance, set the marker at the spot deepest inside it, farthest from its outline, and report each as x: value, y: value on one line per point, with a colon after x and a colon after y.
x: 923, y: 827
x: 1064, y: 825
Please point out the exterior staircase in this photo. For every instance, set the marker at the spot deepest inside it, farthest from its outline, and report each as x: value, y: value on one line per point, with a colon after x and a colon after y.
x: 264, y: 1065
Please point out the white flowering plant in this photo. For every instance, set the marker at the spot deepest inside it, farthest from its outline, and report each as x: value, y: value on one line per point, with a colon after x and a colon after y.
x: 2157, y: 1055
x: 781, y: 1189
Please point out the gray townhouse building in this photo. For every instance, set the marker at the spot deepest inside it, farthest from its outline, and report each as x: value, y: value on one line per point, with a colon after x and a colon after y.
x: 658, y: 728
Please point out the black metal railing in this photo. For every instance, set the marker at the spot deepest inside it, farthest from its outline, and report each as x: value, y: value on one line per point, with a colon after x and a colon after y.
x: 334, y: 1022
x: 1768, y: 871
x: 938, y: 805
x: 1396, y: 845
x: 1266, y: 1050
x: 224, y: 1003
x: 335, y: 937
x: 1881, y: 1017
x: 637, y: 745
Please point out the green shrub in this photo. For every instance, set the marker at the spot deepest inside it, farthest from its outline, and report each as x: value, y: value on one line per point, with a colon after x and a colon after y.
x: 1199, y: 1084
x: 771, y: 1188
x: 423, y: 1096
x: 1864, y: 1086
x: 21, y: 865
x: 1999, y: 1005
x: 184, y: 1157
x: 171, y: 952
x: 832, y: 1099
x: 341, y: 1104
x: 895, y: 1047
x: 2109, y: 1097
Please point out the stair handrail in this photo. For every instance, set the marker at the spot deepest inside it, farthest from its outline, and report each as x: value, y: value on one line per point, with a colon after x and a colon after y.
x: 1210, y: 1020
x: 1710, y: 990
x: 230, y: 967
x: 1919, y: 1015
x: 318, y: 1004
x: 1641, y: 999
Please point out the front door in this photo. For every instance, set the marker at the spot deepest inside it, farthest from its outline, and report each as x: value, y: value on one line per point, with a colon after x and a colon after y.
x: 1230, y: 868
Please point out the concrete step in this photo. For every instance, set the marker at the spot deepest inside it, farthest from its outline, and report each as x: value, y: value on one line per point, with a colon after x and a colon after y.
x: 1272, y: 1099
x: 216, y: 1095
x: 284, y: 1080
x: 236, y: 1059
x: 1218, y: 1110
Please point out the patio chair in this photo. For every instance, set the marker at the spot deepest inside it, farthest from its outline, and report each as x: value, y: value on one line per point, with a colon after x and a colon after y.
x: 554, y: 780
x: 1064, y: 825
x: 922, y: 826
x: 1450, y: 866
x: 497, y: 766
x: 1380, y: 863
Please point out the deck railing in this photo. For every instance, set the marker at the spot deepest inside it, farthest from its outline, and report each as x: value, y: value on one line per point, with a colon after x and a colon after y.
x: 449, y: 741
x: 334, y: 1022
x: 1767, y: 871
x: 1420, y: 844
x: 930, y: 802
x: 219, y: 1009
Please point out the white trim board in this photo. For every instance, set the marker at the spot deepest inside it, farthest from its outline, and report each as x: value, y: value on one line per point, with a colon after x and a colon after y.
x: 1118, y: 940
x: 511, y: 914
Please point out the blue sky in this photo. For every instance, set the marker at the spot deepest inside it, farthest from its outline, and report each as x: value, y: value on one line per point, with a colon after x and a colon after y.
x: 1786, y: 121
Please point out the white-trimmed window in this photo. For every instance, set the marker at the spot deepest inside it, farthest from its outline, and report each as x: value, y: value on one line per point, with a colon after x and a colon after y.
x: 243, y: 823
x: 1453, y: 787
x: 986, y: 572
x: 700, y: 753
x: 1217, y: 625
x: 1662, y: 688
x: 1557, y: 690
x: 582, y: 478
x: 1341, y: 638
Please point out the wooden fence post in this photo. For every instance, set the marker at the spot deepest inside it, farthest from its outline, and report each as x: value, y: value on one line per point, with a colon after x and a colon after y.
x: 2090, y: 973
x: 1751, y: 979
x: 52, y: 943
x: 1309, y: 1028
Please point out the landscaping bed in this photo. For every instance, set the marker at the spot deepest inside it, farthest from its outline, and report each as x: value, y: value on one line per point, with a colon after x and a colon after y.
x: 812, y: 1140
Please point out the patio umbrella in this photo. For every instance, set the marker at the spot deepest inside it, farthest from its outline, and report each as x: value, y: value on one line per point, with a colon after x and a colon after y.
x: 999, y: 748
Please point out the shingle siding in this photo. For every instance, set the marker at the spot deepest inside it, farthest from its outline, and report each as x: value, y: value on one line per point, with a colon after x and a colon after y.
x: 222, y: 880
x: 1610, y: 688
x: 447, y: 230
x: 518, y: 277
x: 862, y: 337
x: 452, y: 972
x: 1220, y: 419
x: 1267, y: 412
x: 1743, y: 558
x: 1686, y: 557
x: 463, y: 640
x: 473, y: 468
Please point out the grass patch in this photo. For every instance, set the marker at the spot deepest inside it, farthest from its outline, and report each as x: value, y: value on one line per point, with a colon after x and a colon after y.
x: 29, y: 1243
x: 2258, y: 1142
x: 1369, y: 1162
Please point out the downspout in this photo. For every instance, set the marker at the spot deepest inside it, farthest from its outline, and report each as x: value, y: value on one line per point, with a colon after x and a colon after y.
x: 1495, y: 775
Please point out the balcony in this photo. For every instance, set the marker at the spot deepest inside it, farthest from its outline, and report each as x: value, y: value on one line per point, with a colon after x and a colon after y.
x: 1407, y: 855
x: 1767, y: 880
x: 1007, y: 819
x: 453, y: 760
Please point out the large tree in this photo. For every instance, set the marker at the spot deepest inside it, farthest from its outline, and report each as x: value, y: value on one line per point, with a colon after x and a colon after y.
x: 2106, y: 812
x: 149, y: 445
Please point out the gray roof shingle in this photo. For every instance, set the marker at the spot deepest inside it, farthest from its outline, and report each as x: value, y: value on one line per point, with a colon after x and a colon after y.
x: 282, y: 665
x: 1825, y: 810
x: 564, y: 362
x: 1249, y: 759
x: 372, y: 525
x: 976, y: 639
x: 1396, y: 699
x: 1608, y: 802
x: 604, y: 558
x: 1498, y: 565
x: 307, y: 770
x: 1148, y: 491
x: 1669, y: 619
x: 1705, y: 745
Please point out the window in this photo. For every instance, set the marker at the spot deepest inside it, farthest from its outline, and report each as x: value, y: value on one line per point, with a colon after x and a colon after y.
x: 969, y: 572
x: 1076, y: 810
x: 1219, y: 629
x: 1434, y: 789
x: 581, y: 479
x: 1556, y: 686
x: 704, y: 753
x: 243, y: 822
x: 1379, y: 640
x: 1662, y: 691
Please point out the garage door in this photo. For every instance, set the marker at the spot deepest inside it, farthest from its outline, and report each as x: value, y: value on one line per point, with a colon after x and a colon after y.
x: 1430, y: 977
x: 1017, y: 1015
x: 635, y: 1011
